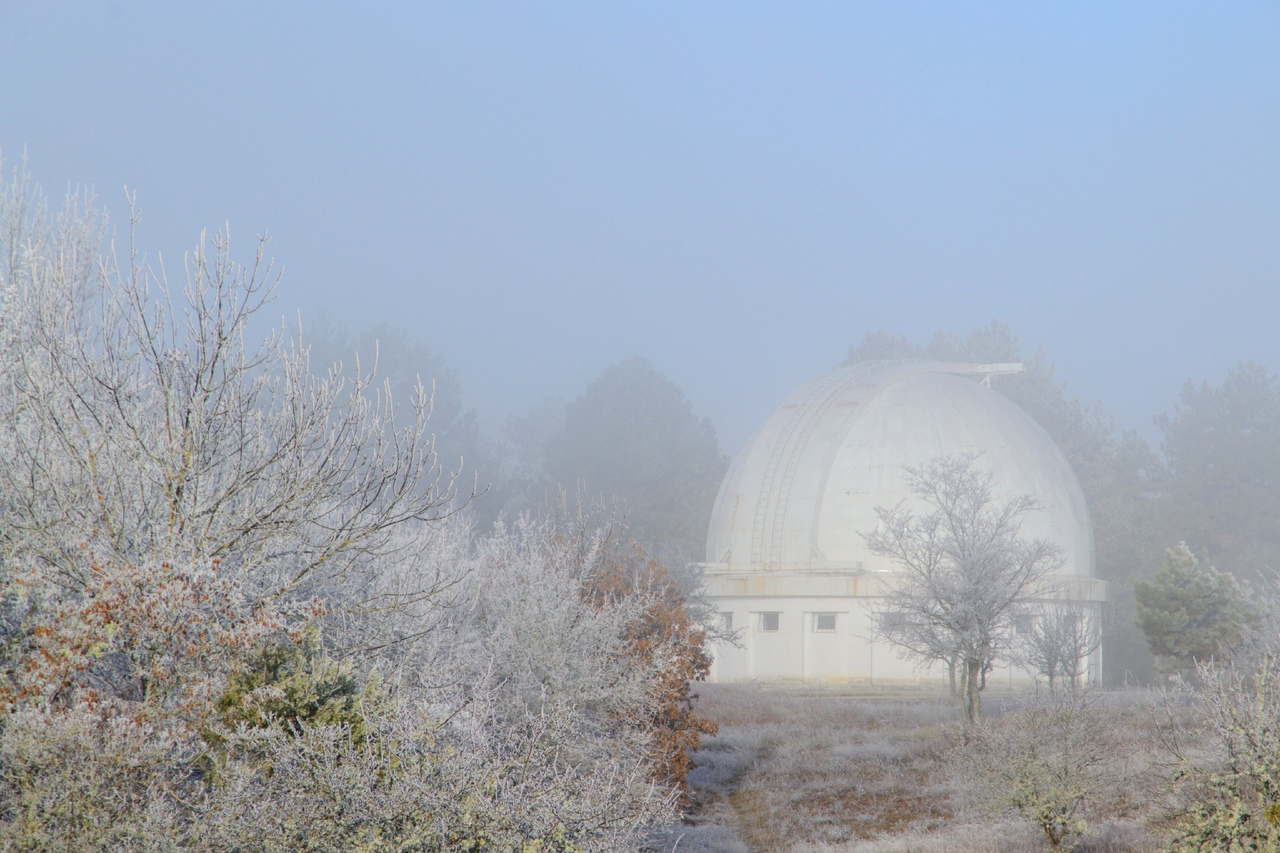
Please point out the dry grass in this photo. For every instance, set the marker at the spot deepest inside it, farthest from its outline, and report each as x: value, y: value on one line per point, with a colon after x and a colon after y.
x: 865, y: 769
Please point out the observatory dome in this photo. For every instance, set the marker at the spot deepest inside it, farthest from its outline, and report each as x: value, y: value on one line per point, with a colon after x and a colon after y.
x: 800, y: 497
x: 787, y: 567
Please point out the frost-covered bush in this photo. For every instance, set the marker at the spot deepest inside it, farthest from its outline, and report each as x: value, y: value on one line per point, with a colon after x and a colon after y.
x: 238, y: 610
x: 535, y: 666
x: 1231, y: 790
x: 1082, y: 769
x: 520, y: 718
x: 1051, y: 764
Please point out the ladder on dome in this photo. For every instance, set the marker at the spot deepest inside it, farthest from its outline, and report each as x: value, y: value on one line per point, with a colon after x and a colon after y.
x: 786, y: 454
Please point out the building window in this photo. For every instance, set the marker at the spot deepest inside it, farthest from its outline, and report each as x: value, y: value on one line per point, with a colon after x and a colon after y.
x: 824, y: 623
x: 769, y: 621
x: 726, y: 621
x: 893, y: 620
x: 1024, y: 624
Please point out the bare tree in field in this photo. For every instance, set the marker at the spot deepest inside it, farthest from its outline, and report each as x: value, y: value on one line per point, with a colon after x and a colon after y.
x: 1055, y: 639
x: 137, y: 418
x: 963, y: 570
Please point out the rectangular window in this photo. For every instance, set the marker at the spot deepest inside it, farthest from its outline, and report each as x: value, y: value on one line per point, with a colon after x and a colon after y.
x: 893, y: 620
x: 1024, y: 624
x: 824, y: 623
x: 726, y: 621
x: 769, y: 621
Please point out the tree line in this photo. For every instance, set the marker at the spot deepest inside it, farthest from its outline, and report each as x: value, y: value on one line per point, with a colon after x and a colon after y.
x: 1212, y: 486
x: 631, y: 440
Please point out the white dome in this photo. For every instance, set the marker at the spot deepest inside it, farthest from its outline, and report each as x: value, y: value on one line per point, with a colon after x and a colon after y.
x: 801, y: 495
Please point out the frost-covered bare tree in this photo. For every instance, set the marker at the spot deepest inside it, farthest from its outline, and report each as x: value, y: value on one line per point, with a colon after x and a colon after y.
x: 1055, y: 639
x: 963, y: 569
x: 145, y: 440
x: 136, y: 420
x: 929, y: 642
x: 171, y: 496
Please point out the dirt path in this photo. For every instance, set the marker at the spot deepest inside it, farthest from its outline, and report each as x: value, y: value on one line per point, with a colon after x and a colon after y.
x: 808, y: 764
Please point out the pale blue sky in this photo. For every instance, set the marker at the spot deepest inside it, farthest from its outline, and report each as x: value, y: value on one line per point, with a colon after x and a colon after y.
x: 736, y: 191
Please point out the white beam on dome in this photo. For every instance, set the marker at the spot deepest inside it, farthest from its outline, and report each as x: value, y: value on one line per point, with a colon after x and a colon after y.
x: 986, y: 371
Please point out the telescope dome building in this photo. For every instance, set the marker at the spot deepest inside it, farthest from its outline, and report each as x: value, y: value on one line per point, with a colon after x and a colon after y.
x: 787, y: 565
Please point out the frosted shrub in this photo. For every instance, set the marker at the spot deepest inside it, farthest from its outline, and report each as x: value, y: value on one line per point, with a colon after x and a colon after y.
x: 419, y: 783
x: 1232, y: 793
x: 237, y: 610
x: 1050, y: 764
x: 91, y: 778
x: 537, y: 665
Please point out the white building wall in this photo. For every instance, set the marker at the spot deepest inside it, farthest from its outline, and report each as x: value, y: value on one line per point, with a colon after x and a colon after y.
x: 801, y: 648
